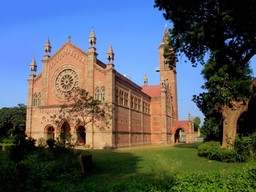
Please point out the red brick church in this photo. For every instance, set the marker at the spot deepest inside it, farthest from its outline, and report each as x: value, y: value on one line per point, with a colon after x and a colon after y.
x: 142, y: 115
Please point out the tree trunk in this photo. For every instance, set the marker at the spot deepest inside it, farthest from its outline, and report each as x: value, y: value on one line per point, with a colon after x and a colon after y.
x: 230, y: 118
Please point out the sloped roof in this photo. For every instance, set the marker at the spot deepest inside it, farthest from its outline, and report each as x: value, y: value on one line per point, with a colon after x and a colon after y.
x: 152, y: 91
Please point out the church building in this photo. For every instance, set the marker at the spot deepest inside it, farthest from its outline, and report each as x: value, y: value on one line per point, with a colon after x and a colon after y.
x: 142, y: 115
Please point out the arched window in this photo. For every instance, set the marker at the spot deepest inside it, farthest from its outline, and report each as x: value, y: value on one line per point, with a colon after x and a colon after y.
x: 50, y: 133
x: 135, y: 102
x: 97, y: 94
x: 139, y: 104
x: 125, y: 99
x: 121, y: 97
x: 103, y: 95
x: 116, y: 94
x: 37, y: 100
x: 132, y: 102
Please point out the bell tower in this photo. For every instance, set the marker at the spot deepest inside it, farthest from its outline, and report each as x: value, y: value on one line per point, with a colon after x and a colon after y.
x: 168, y: 78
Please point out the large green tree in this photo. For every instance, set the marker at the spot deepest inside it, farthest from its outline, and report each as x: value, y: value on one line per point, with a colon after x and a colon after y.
x: 12, y: 120
x: 225, y: 30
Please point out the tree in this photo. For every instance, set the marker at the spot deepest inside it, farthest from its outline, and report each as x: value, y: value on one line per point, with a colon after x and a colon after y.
x: 225, y: 30
x: 82, y: 109
x: 12, y: 120
x: 197, y: 122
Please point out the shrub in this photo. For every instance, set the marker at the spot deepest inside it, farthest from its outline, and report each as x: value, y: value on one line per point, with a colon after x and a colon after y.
x: 85, y: 162
x: 208, y: 149
x: 246, y: 147
x: 21, y: 148
x: 50, y: 143
x: 212, y: 150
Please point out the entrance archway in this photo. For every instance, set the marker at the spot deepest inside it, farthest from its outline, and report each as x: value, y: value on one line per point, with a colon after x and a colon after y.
x: 180, y: 136
x: 81, y: 135
x: 49, y: 132
x: 65, y: 135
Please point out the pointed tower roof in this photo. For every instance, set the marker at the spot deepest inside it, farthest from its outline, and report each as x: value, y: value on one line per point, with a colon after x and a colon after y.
x: 165, y: 36
x: 145, y: 80
x: 92, y: 38
x: 47, y: 47
x: 33, y: 66
x: 110, y: 54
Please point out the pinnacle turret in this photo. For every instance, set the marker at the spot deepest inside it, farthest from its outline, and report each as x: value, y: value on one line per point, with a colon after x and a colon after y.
x: 47, y: 48
x: 110, y: 54
x: 92, y: 39
x: 33, y: 67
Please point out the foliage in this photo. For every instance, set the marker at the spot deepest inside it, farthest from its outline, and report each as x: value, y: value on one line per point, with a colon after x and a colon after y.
x: 181, y: 168
x: 197, y: 122
x: 81, y: 109
x: 213, y: 151
x: 12, y: 120
x: 244, y: 150
x: 225, y: 28
x: 246, y: 147
x: 21, y: 147
x: 224, y: 84
x: 216, y: 28
x: 50, y: 142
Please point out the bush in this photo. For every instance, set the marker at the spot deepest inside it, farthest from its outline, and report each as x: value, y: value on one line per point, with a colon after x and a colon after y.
x: 21, y: 148
x: 245, y: 147
x: 212, y: 150
x: 85, y: 161
x: 208, y: 149
x: 50, y: 143
x: 244, y: 150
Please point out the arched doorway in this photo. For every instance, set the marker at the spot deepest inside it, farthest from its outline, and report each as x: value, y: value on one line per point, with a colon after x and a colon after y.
x: 81, y: 135
x: 65, y: 135
x: 180, y: 136
x: 49, y: 133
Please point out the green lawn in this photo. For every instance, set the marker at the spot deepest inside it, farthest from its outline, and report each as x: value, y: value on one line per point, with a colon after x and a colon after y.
x: 126, y: 169
x: 147, y: 168
x: 178, y: 158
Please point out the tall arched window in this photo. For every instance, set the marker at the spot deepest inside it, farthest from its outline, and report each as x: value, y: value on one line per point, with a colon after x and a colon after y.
x: 132, y: 102
x: 37, y: 100
x: 103, y: 95
x: 97, y: 94
x: 125, y: 99
x: 116, y: 94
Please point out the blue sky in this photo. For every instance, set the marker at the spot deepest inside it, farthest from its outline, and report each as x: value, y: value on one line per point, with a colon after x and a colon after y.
x: 134, y: 28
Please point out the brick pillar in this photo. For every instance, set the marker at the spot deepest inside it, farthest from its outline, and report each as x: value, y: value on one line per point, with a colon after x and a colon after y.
x: 89, y: 78
x: 110, y: 93
x: 44, y: 93
x: 163, y: 114
x: 29, y: 106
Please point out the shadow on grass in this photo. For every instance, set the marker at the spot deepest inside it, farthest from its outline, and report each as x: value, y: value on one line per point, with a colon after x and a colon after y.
x: 114, y: 162
x: 186, y: 145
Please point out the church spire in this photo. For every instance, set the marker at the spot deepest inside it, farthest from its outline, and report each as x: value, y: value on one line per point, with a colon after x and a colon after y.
x: 47, y: 48
x: 33, y: 67
x: 110, y: 55
x: 165, y: 36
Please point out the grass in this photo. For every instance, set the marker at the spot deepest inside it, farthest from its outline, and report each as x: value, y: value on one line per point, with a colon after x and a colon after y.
x: 148, y: 165
x: 179, y: 158
x: 147, y: 168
